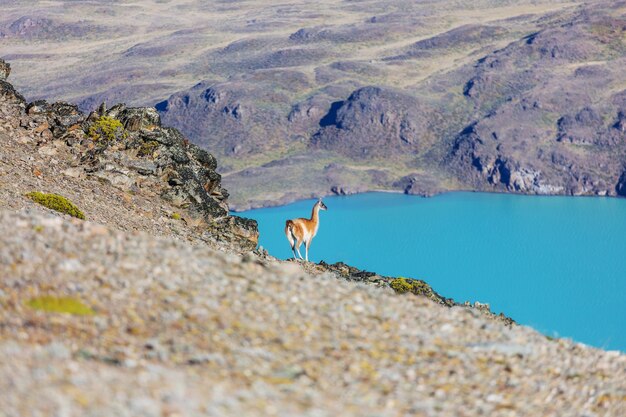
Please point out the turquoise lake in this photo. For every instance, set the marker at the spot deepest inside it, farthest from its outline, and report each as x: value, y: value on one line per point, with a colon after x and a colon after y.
x: 557, y: 264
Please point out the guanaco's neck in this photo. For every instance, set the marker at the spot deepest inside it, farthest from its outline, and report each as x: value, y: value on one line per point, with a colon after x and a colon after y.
x: 315, y: 214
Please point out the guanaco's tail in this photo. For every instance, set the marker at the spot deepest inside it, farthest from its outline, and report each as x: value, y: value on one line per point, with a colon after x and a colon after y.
x: 289, y: 232
x: 289, y: 227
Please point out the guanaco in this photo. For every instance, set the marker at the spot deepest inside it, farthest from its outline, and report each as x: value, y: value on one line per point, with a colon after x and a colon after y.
x: 304, y: 230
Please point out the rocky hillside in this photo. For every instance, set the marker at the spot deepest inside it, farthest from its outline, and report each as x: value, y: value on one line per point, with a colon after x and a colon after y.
x: 119, y: 165
x: 556, y: 110
x: 147, y: 298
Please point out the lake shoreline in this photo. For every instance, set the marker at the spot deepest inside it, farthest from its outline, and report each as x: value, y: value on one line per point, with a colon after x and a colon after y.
x: 234, y: 208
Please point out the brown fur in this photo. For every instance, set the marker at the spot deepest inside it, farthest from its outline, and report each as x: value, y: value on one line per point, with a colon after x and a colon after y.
x: 302, y: 230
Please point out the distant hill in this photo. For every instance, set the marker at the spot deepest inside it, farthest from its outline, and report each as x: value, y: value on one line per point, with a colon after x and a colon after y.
x: 341, y: 97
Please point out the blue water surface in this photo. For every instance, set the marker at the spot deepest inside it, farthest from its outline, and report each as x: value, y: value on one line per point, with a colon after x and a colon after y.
x: 557, y: 264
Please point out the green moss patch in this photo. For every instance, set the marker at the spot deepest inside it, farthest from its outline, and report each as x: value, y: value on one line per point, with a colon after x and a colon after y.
x: 414, y: 286
x: 57, y: 203
x: 67, y: 305
x: 107, y: 129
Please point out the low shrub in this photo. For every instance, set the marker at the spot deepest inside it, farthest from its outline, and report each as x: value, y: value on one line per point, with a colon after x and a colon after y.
x: 57, y: 203
x: 414, y: 286
x: 67, y: 305
x: 107, y: 129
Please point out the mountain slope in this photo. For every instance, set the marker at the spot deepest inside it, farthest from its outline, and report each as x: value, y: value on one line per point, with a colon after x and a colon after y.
x: 542, y: 114
x: 157, y: 304
x: 275, y: 87
x: 561, y: 127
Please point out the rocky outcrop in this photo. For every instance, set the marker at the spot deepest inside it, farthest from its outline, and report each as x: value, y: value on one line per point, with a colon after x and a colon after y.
x: 351, y: 273
x: 373, y: 122
x: 27, y: 27
x: 140, y: 154
x: 489, y: 165
x: 368, y: 31
x: 418, y: 184
x: 587, y: 127
x: 226, y: 118
x: 543, y: 130
x: 7, y: 93
x: 493, y: 166
x: 184, y: 173
x: 57, y: 118
x: 582, y: 158
x: 621, y: 185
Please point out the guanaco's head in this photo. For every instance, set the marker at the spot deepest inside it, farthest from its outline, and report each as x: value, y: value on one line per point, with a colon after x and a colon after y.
x: 321, y: 204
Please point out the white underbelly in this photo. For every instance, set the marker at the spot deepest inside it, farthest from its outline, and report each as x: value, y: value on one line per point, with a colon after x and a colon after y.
x: 308, y: 236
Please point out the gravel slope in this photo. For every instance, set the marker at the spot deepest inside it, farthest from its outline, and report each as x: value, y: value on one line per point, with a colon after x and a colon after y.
x: 182, y: 329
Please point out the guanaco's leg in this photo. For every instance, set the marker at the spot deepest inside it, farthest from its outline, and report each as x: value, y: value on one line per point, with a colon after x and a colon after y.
x: 298, y: 243
x: 292, y: 242
x: 306, y: 246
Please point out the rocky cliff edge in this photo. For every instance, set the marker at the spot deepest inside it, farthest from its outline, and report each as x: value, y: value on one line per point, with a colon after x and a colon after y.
x: 119, y: 153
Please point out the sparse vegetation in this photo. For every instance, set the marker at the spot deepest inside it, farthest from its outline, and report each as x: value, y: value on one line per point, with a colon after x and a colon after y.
x: 401, y: 285
x: 148, y: 148
x: 106, y: 129
x: 57, y: 203
x: 68, y: 305
x: 414, y: 286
